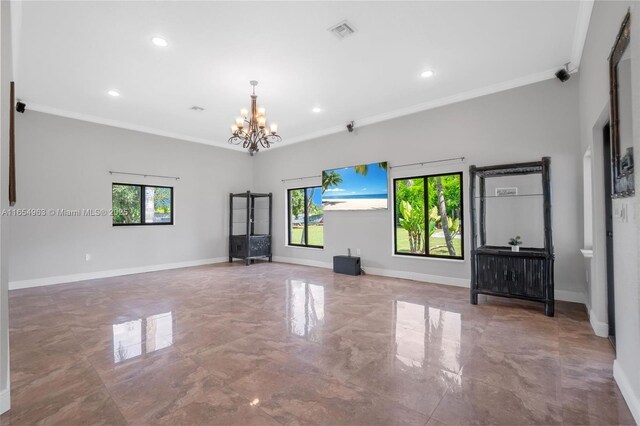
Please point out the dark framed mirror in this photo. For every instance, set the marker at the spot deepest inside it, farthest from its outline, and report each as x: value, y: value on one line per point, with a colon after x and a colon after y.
x: 622, y: 179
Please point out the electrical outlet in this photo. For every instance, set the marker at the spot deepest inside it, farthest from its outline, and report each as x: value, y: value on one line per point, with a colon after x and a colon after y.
x: 87, y: 257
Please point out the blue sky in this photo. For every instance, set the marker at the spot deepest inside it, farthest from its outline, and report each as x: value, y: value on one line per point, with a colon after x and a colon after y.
x: 317, y: 196
x: 375, y: 182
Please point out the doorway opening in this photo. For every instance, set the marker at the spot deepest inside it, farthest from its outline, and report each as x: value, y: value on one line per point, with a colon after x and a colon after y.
x: 608, y: 214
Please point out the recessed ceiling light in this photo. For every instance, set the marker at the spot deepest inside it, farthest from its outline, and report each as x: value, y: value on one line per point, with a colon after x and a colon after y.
x: 113, y: 93
x: 426, y: 74
x: 159, y: 41
x: 316, y: 109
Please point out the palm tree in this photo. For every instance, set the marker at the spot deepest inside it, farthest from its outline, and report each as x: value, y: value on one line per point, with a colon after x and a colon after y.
x: 362, y: 169
x: 330, y: 178
x: 445, y: 220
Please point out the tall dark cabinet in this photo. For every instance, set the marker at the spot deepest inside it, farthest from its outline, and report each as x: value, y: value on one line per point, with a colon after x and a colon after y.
x: 250, y: 226
x: 496, y: 270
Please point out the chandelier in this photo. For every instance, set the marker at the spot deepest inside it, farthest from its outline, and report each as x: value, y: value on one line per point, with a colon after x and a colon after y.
x: 251, y: 127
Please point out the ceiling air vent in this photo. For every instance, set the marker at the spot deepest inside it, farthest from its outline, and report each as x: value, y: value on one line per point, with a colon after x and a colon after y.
x: 343, y: 30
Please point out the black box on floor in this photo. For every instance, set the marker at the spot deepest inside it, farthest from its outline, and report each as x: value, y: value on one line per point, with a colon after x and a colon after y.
x: 349, y: 265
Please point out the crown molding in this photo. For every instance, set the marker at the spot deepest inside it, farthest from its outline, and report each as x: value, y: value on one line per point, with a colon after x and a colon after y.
x: 580, y: 34
x: 460, y: 97
x: 129, y: 126
x: 464, y: 96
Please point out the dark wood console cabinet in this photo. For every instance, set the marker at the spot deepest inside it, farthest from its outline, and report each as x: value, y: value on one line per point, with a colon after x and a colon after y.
x: 246, y: 243
x: 499, y: 271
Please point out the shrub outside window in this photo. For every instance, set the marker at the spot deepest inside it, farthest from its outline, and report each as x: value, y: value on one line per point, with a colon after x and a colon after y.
x: 428, y: 216
x: 141, y: 204
x: 305, y: 217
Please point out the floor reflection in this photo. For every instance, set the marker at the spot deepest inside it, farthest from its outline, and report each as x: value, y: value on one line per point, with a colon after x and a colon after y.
x: 129, y: 342
x: 159, y: 332
x: 424, y: 334
x: 305, y: 309
x: 410, y: 316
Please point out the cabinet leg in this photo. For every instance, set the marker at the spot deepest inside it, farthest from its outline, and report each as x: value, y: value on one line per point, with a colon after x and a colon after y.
x: 270, y: 259
x: 549, y: 309
x: 230, y: 259
x: 474, y: 298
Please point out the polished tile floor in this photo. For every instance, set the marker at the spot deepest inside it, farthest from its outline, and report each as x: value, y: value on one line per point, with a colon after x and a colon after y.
x: 281, y: 344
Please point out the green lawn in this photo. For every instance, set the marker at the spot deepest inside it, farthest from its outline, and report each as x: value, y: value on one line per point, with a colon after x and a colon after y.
x: 315, y: 232
x: 316, y: 238
x: 403, y: 243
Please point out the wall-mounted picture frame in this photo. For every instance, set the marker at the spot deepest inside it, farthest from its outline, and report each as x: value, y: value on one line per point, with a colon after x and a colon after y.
x: 361, y: 187
x: 622, y: 173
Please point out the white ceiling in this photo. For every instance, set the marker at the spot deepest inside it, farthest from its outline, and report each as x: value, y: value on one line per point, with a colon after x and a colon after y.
x: 67, y: 55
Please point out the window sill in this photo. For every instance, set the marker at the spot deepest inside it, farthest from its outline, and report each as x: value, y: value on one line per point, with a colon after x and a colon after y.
x: 587, y: 253
x: 439, y: 259
x: 304, y: 247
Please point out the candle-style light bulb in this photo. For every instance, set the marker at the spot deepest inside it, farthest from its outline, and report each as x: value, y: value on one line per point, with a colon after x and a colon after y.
x: 234, y: 129
x: 261, y: 111
x: 262, y: 121
x: 239, y: 122
x: 274, y: 128
x: 244, y: 112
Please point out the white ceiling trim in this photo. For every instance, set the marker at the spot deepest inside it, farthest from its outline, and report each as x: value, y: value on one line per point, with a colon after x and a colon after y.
x: 476, y: 93
x: 128, y: 126
x: 471, y: 94
x: 580, y: 34
x: 572, y: 46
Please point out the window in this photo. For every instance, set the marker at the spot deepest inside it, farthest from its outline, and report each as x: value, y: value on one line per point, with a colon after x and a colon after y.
x: 306, y: 217
x: 141, y: 204
x: 428, y: 216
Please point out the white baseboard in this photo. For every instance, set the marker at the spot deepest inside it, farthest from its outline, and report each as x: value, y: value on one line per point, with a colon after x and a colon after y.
x: 60, y: 279
x: 630, y: 396
x: 600, y: 328
x: 5, y: 400
x: 305, y: 262
x: 568, y: 296
x: 571, y: 296
x: 418, y: 276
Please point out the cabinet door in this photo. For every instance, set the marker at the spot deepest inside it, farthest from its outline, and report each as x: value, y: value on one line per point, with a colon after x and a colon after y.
x: 526, y: 276
x: 238, y: 246
x: 260, y: 245
x: 492, y: 273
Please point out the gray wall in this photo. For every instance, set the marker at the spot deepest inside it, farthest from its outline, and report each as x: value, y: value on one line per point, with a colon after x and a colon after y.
x: 594, y: 105
x: 522, y: 124
x: 63, y: 164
